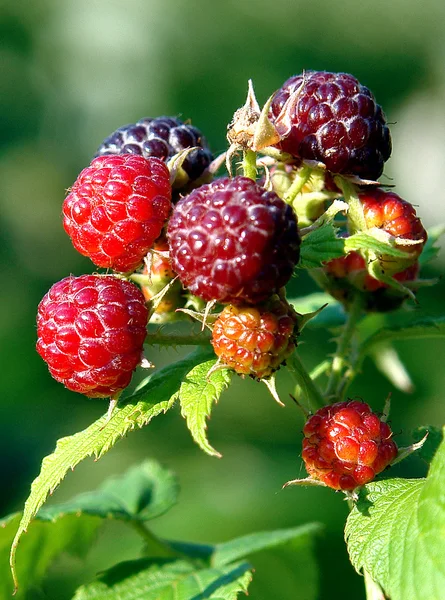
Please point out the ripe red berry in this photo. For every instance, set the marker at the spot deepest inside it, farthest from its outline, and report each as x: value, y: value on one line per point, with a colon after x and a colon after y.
x: 392, y: 214
x: 346, y: 445
x: 346, y: 276
x: 91, y: 331
x: 234, y: 242
x: 116, y: 209
x: 255, y: 340
x: 335, y: 121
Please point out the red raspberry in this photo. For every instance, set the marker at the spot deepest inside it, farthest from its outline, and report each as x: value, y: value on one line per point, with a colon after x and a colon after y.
x: 256, y: 340
x: 91, y: 331
x: 336, y: 121
x: 116, y: 209
x: 234, y: 242
x: 389, y: 212
x: 347, y: 276
x: 346, y: 445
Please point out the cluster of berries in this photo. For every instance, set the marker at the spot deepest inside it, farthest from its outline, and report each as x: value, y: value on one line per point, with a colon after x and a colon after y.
x: 233, y: 243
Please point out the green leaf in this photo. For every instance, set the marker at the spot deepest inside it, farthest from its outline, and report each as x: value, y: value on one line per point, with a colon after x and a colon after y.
x: 397, y: 533
x: 319, y: 246
x: 158, y: 395
x: 44, y: 542
x: 430, y: 250
x: 247, y: 545
x: 331, y: 316
x: 424, y: 328
x: 366, y: 241
x: 433, y: 441
x: 146, y: 579
x: 144, y: 492
x: 197, y: 394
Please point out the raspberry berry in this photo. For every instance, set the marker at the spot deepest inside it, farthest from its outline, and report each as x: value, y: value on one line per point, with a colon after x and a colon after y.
x: 159, y: 272
x: 117, y: 208
x: 335, y: 121
x: 346, y: 276
x: 389, y: 212
x: 346, y: 445
x: 162, y: 137
x: 255, y: 340
x: 91, y: 331
x: 233, y: 242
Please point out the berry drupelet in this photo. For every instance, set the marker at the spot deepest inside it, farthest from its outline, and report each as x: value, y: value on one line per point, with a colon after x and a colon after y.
x: 117, y: 208
x: 161, y: 137
x: 255, y: 340
x: 233, y: 242
x: 336, y: 121
x: 346, y: 445
x: 91, y: 331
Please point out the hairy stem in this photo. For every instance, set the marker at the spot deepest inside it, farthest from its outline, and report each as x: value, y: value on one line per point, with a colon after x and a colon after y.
x: 341, y: 357
x: 303, y: 379
x: 297, y: 185
x: 249, y: 164
x: 177, y: 340
x: 356, y: 217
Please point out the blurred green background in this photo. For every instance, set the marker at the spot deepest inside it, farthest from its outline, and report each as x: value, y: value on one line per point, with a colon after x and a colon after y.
x: 72, y: 71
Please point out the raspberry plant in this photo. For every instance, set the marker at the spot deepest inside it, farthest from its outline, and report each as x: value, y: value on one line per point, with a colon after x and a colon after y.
x: 301, y: 193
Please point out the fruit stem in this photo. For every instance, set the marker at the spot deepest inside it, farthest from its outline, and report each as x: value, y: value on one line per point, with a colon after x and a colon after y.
x: 341, y: 354
x: 155, y: 545
x: 176, y: 340
x: 297, y: 185
x: 356, y: 218
x: 303, y: 379
x: 249, y: 164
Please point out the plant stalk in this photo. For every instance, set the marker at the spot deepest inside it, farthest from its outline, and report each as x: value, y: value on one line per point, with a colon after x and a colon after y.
x: 176, y: 340
x: 303, y: 379
x: 249, y: 164
x: 301, y: 178
x: 356, y: 217
x: 342, y: 353
x: 155, y: 545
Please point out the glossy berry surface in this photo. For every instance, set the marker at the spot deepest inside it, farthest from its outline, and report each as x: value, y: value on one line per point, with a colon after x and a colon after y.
x: 335, y: 121
x: 348, y: 275
x: 346, y: 445
x: 91, y: 331
x: 117, y: 208
x: 162, y: 137
x: 389, y: 212
x: 255, y: 340
x: 233, y: 242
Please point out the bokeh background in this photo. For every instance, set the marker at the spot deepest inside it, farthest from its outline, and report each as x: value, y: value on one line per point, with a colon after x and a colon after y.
x: 72, y: 71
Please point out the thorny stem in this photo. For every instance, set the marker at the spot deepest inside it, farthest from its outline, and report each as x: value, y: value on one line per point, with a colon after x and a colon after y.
x: 249, y: 164
x: 303, y: 379
x: 176, y: 340
x: 356, y: 217
x: 343, y: 344
x: 301, y: 178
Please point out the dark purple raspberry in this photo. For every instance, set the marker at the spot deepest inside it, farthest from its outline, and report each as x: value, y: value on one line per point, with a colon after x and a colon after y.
x: 162, y: 137
x: 91, y: 330
x: 336, y: 121
x: 234, y: 242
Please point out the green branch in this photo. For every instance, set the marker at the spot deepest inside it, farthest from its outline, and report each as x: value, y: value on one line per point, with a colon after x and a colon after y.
x: 303, y: 379
x: 161, y: 339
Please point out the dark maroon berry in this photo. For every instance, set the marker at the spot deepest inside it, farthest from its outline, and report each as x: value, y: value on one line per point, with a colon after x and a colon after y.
x: 162, y: 137
x: 232, y: 241
x: 335, y: 121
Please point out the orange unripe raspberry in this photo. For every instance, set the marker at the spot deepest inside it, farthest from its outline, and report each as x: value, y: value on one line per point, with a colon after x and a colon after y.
x: 255, y: 340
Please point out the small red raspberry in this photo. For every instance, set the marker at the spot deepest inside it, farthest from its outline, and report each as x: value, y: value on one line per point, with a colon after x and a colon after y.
x: 91, y: 331
x: 116, y: 209
x: 389, y: 212
x: 347, y: 276
x: 346, y: 445
x: 234, y: 242
x: 255, y: 340
x: 160, y: 273
x: 336, y: 121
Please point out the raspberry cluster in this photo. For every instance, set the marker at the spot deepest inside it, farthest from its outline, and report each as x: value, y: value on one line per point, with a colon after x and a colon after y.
x: 346, y: 445
x: 147, y: 208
